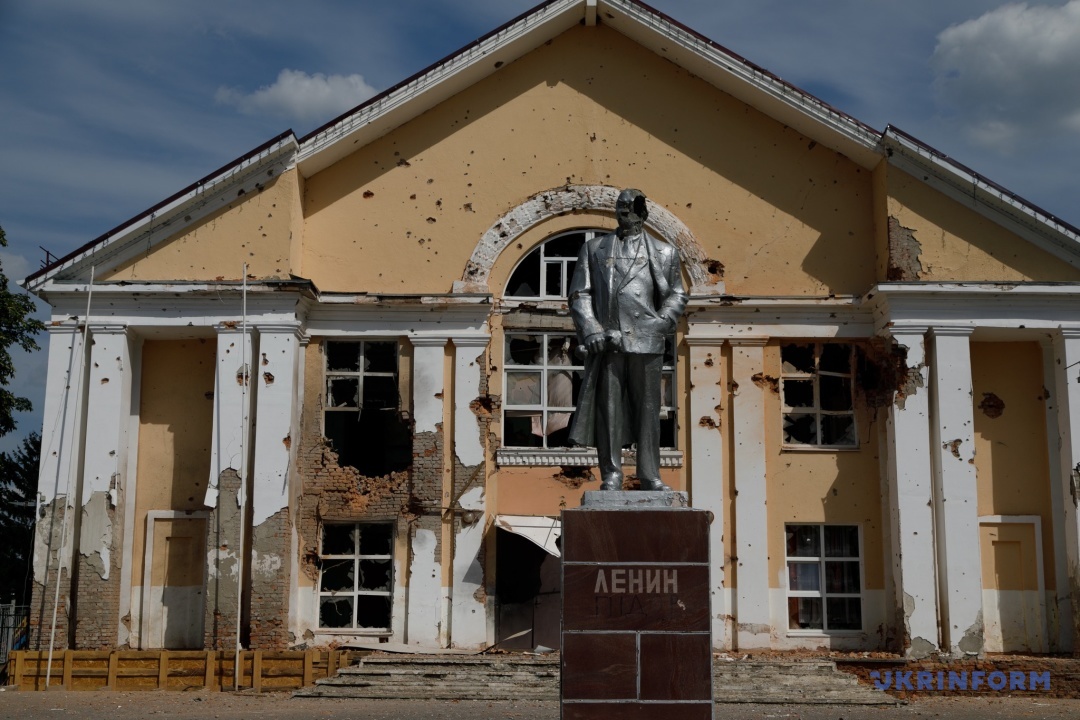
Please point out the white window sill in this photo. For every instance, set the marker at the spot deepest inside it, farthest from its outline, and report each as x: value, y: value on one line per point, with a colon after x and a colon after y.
x: 353, y: 631
x: 579, y: 457
x: 825, y: 633
x: 819, y: 448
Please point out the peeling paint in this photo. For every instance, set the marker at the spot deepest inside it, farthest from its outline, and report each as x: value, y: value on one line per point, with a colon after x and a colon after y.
x: 953, y: 446
x: 904, y: 252
x: 764, y: 382
x: 972, y: 642
x: 921, y: 648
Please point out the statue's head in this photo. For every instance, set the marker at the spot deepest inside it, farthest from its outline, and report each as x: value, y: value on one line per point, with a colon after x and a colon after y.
x: 630, y: 210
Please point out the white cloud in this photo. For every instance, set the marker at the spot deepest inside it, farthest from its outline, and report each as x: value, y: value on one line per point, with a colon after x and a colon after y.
x: 1011, y: 75
x: 299, y: 96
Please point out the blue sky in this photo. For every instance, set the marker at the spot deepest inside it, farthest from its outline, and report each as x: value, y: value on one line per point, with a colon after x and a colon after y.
x: 110, y: 106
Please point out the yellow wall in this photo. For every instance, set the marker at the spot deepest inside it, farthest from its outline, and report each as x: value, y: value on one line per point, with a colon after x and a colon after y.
x: 783, y: 214
x: 1011, y: 450
x: 255, y: 229
x: 959, y: 244
x: 175, y: 421
x: 837, y: 487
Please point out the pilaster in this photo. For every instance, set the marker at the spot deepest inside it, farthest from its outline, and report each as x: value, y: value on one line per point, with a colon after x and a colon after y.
x: 910, y: 501
x: 468, y: 616
x: 276, y: 374
x: 754, y: 622
x: 429, y: 600
x: 104, y: 478
x: 1067, y: 395
x: 707, y: 465
x: 956, y: 494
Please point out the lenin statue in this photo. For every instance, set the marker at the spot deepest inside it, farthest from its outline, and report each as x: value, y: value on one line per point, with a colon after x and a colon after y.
x: 626, y: 297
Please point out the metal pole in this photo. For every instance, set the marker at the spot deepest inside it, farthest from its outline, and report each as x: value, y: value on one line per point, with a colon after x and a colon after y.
x: 244, y: 415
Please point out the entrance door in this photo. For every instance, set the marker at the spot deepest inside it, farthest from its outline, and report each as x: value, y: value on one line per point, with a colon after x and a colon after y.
x: 1014, y: 618
x: 174, y: 596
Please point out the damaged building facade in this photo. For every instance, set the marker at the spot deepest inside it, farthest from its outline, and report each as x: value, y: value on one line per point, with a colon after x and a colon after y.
x: 321, y: 397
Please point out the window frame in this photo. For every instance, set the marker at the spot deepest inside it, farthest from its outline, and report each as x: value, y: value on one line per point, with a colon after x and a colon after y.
x: 562, y: 261
x: 822, y: 591
x: 816, y: 410
x: 356, y: 557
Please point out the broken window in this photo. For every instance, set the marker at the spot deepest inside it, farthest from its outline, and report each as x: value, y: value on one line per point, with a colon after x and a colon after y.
x: 824, y: 577
x: 817, y: 395
x: 362, y: 418
x: 356, y: 580
x: 545, y: 273
x: 543, y: 375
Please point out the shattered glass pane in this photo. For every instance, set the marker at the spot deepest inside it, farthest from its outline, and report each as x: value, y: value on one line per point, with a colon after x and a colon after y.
x: 835, y: 392
x: 845, y: 613
x: 565, y: 245
x: 336, y: 612
x: 799, y: 393
x: 343, y: 392
x: 376, y: 539
x: 842, y: 577
x: 835, y: 358
x: 797, y: 358
x: 561, y: 350
x: 523, y: 350
x: 338, y: 540
x: 337, y: 576
x: 522, y: 388
x: 553, y: 279
x: 800, y: 429
x: 375, y: 575
x: 525, y: 282
x: 667, y: 385
x: 803, y: 576
x: 838, y: 430
x: 380, y: 392
x: 518, y: 429
x: 667, y: 431
x: 380, y: 357
x: 373, y: 612
x: 343, y: 356
x: 803, y: 541
x: 804, y: 613
x: 842, y: 541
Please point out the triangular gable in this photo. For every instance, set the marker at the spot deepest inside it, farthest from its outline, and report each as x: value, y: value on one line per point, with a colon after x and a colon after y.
x: 652, y: 29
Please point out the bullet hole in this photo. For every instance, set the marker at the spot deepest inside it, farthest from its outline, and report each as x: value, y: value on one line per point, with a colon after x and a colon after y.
x: 368, y: 194
x: 268, y: 378
x: 766, y: 382
x: 104, y: 381
x: 430, y: 180
x: 812, y: 145
x: 413, y: 196
x: 438, y: 203
x: 467, y: 207
x: 709, y: 361
x: 403, y: 163
x: 715, y: 268
x: 431, y: 221
x: 992, y: 406
x: 708, y: 422
x: 498, y: 64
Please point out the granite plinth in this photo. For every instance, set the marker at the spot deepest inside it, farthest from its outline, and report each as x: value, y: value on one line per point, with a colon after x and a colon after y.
x: 636, y: 639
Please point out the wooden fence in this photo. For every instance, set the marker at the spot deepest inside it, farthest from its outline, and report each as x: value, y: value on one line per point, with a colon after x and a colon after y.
x: 260, y: 670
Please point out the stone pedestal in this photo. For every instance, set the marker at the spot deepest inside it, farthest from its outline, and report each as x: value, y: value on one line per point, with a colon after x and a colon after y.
x: 636, y: 639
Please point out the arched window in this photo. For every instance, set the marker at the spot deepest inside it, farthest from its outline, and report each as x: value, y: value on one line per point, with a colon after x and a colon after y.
x: 545, y: 273
x: 542, y: 370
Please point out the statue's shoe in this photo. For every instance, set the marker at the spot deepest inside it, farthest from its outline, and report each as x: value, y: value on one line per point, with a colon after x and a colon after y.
x: 612, y: 482
x: 655, y: 486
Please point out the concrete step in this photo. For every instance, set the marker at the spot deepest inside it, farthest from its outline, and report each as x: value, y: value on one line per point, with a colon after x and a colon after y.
x: 508, y: 677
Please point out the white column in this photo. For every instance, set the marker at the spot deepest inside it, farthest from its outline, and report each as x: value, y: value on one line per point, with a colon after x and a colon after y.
x: 957, y: 499
x: 1067, y: 396
x: 1060, y: 617
x: 429, y: 599
x: 232, y: 406
x: 706, y: 456
x: 469, y: 619
x: 276, y: 372
x: 105, y: 455
x: 752, y: 612
x: 910, y: 501
x: 60, y: 441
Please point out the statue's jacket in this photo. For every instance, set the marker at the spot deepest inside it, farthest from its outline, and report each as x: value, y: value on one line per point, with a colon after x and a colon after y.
x: 640, y: 307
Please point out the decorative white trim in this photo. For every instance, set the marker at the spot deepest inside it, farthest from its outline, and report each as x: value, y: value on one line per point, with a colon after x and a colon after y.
x: 573, y: 457
x: 732, y: 318
x: 575, y: 198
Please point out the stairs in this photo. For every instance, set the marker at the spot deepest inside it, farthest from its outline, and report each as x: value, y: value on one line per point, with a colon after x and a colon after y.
x: 531, y: 677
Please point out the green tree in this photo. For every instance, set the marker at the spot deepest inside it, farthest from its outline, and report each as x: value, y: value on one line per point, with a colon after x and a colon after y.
x: 18, y: 486
x: 17, y: 327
